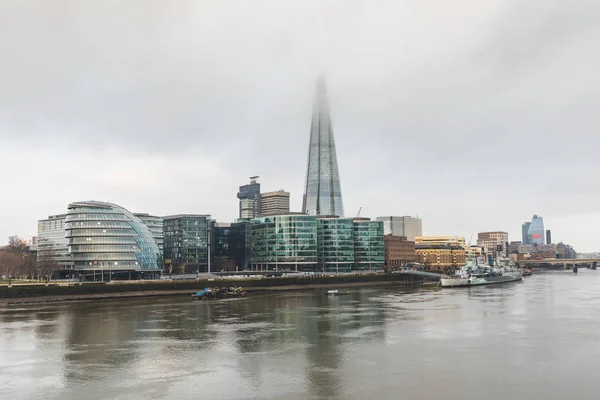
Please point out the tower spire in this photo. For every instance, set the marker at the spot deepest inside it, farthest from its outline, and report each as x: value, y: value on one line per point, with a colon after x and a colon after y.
x: 322, y: 192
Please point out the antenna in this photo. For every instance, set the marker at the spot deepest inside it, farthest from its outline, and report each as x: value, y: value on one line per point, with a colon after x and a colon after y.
x: 359, y: 210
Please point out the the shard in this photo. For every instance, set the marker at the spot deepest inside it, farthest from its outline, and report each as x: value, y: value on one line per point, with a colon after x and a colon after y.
x: 322, y: 192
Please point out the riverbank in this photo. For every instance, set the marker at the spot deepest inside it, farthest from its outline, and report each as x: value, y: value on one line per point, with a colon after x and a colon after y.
x: 6, y: 302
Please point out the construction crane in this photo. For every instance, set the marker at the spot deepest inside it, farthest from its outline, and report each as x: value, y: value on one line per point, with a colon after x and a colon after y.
x: 359, y: 210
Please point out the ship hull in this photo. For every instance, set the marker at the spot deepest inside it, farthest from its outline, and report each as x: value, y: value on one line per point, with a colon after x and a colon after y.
x: 507, y: 277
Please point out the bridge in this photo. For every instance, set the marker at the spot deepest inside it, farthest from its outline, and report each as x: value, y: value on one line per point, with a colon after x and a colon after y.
x: 566, y: 263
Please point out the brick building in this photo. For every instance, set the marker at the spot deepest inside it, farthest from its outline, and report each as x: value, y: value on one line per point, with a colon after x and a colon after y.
x: 398, y: 252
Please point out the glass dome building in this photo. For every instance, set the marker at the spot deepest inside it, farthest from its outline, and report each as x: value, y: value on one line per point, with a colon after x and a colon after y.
x: 104, y: 238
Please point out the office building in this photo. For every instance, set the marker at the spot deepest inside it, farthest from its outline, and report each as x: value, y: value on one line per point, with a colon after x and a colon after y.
x: 107, y: 242
x: 398, y: 252
x: 525, y: 232
x: 513, y: 247
x: 473, y: 251
x: 155, y: 225
x: 369, y: 249
x: 322, y: 192
x: 188, y: 243
x: 232, y: 246
x: 542, y: 251
x: 300, y: 242
x: 548, y: 236
x: 335, y: 244
x: 410, y: 227
x: 249, y: 196
x: 441, y: 256
x: 441, y: 240
x: 284, y: 242
x: 493, y: 242
x: 274, y: 203
x: 52, y: 244
x: 565, y: 251
x: 535, y: 233
x: 526, y: 249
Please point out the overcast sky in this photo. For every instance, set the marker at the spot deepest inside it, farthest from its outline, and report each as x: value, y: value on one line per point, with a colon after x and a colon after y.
x: 471, y: 114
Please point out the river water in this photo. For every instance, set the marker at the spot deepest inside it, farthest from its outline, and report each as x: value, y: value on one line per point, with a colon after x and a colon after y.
x: 539, y: 339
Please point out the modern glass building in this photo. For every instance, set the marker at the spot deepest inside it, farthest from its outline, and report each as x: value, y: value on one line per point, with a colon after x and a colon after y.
x: 525, y: 232
x: 322, y: 193
x: 155, y: 225
x: 52, y: 244
x: 284, y: 242
x: 369, y: 248
x: 188, y: 243
x: 108, y: 242
x: 335, y: 245
x: 232, y: 246
x: 410, y: 227
x: 536, y: 231
x: 298, y: 242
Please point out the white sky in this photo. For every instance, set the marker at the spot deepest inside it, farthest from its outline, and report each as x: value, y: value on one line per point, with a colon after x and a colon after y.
x: 472, y: 114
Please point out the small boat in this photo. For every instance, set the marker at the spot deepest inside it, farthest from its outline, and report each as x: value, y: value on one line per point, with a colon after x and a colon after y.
x: 336, y: 292
x: 218, y: 293
x: 527, y: 272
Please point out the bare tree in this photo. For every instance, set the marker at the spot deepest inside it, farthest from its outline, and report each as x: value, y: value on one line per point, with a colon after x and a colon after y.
x: 46, y: 265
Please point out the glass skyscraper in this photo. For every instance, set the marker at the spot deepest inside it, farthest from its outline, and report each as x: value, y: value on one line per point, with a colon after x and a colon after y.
x: 322, y: 192
x: 536, y: 231
x: 525, y: 232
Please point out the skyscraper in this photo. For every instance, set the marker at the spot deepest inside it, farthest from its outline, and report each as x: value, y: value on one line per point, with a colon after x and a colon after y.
x: 249, y: 196
x: 525, y: 233
x: 274, y: 203
x: 322, y: 193
x: 536, y: 230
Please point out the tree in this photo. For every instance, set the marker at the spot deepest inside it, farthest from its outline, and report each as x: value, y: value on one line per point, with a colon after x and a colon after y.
x: 16, y: 260
x: 17, y: 245
x: 46, y: 264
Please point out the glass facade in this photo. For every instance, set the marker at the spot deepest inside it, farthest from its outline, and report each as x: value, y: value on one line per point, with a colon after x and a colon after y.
x: 232, y: 246
x: 525, y: 232
x: 297, y: 242
x: 284, y: 242
x: 536, y: 231
x: 369, y: 248
x: 188, y: 243
x: 155, y: 225
x: 104, y: 236
x: 322, y: 193
x: 52, y: 243
x: 335, y: 244
x: 409, y: 227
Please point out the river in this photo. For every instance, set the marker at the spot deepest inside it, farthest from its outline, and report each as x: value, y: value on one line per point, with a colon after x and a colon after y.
x: 537, y: 339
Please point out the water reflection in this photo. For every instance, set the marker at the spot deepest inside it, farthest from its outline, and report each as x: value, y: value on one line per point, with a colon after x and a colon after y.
x: 373, y: 343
